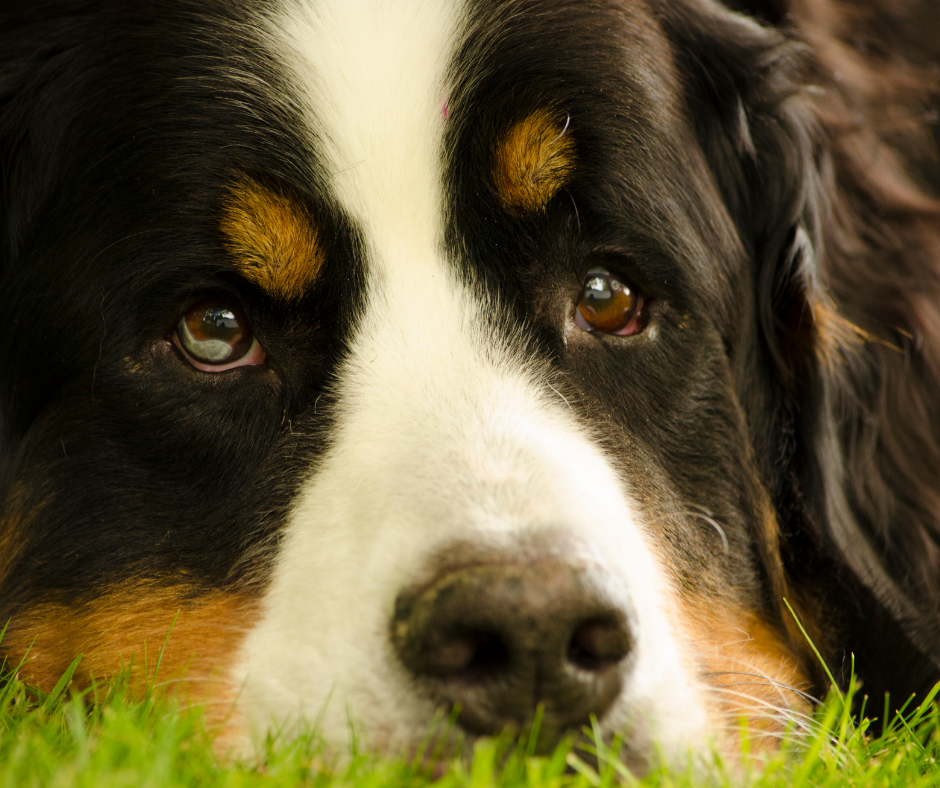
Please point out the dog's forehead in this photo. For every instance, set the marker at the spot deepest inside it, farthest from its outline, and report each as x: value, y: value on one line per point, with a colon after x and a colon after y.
x: 371, y: 81
x: 390, y: 105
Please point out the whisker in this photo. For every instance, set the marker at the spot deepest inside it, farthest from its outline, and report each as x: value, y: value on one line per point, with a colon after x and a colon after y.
x: 769, y: 679
x: 761, y: 703
x: 704, y: 514
x: 805, y: 726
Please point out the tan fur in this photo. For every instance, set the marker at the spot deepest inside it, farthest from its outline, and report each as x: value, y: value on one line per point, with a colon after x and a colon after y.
x: 272, y: 239
x: 840, y: 337
x: 129, y: 626
x: 533, y: 161
x: 757, y: 679
x: 12, y: 524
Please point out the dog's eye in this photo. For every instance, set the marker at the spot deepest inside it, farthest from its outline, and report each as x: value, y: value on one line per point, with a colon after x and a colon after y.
x: 609, y: 304
x: 215, y: 336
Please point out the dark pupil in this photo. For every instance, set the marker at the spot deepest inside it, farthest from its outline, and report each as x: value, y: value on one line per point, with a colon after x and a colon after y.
x: 218, y: 322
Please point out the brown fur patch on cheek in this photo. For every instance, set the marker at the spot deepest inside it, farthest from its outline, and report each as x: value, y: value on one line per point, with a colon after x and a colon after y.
x: 13, y: 526
x: 533, y: 161
x: 749, y: 670
x: 272, y: 239
x: 128, y: 626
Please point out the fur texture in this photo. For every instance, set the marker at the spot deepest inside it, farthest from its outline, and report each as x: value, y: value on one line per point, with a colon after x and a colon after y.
x: 429, y: 482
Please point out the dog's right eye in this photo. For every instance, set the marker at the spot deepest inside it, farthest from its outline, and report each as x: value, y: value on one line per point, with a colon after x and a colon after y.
x: 608, y: 304
x: 215, y: 336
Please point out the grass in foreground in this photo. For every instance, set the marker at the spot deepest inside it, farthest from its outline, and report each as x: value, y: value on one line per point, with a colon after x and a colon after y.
x: 102, y: 738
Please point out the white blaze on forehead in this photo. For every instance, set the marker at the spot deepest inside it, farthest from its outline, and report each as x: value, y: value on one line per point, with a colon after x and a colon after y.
x: 443, y: 432
x: 372, y: 77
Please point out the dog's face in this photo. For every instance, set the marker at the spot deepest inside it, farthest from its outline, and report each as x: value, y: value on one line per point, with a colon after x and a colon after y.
x: 401, y: 356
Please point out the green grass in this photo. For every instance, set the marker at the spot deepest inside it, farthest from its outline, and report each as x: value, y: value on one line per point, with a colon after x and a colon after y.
x: 103, y: 738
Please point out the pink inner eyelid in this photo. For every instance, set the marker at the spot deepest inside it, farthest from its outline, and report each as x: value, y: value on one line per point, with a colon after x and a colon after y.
x: 633, y: 327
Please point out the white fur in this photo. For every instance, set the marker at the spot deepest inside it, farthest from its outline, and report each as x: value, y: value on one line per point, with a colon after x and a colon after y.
x: 444, y: 432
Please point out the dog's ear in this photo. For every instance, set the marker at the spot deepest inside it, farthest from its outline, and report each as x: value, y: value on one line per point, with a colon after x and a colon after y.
x: 743, y: 84
x: 853, y: 446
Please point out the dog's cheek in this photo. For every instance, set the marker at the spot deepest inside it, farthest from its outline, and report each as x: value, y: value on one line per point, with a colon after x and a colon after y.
x: 14, y: 525
x: 159, y: 633
x: 753, y: 677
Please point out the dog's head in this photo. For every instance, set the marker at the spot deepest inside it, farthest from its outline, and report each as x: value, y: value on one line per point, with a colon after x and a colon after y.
x: 411, y: 357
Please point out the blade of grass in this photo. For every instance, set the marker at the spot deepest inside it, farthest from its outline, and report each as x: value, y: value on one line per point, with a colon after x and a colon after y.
x: 51, y: 702
x: 812, y: 645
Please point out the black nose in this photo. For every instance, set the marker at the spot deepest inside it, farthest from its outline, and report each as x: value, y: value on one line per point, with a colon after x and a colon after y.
x: 498, y: 640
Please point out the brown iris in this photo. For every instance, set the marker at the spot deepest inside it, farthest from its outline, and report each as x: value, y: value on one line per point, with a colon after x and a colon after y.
x: 215, y: 335
x: 609, y: 304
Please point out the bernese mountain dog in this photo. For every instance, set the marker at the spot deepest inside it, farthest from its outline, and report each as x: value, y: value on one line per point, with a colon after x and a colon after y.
x: 366, y: 361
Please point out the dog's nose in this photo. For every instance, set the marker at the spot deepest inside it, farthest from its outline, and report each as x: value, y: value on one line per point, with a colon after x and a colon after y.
x: 497, y: 640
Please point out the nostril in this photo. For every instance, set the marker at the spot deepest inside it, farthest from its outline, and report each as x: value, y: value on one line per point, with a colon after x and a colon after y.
x: 468, y: 654
x: 491, y: 655
x: 599, y: 643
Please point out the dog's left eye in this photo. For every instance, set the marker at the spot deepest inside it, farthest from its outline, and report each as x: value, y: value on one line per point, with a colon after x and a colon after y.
x: 609, y: 305
x: 215, y: 336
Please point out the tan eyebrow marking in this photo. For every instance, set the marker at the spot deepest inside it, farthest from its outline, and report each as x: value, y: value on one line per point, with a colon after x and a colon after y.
x: 272, y: 238
x: 533, y: 161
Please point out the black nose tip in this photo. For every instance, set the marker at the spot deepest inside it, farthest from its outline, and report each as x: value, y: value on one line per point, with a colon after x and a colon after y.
x: 498, y: 640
